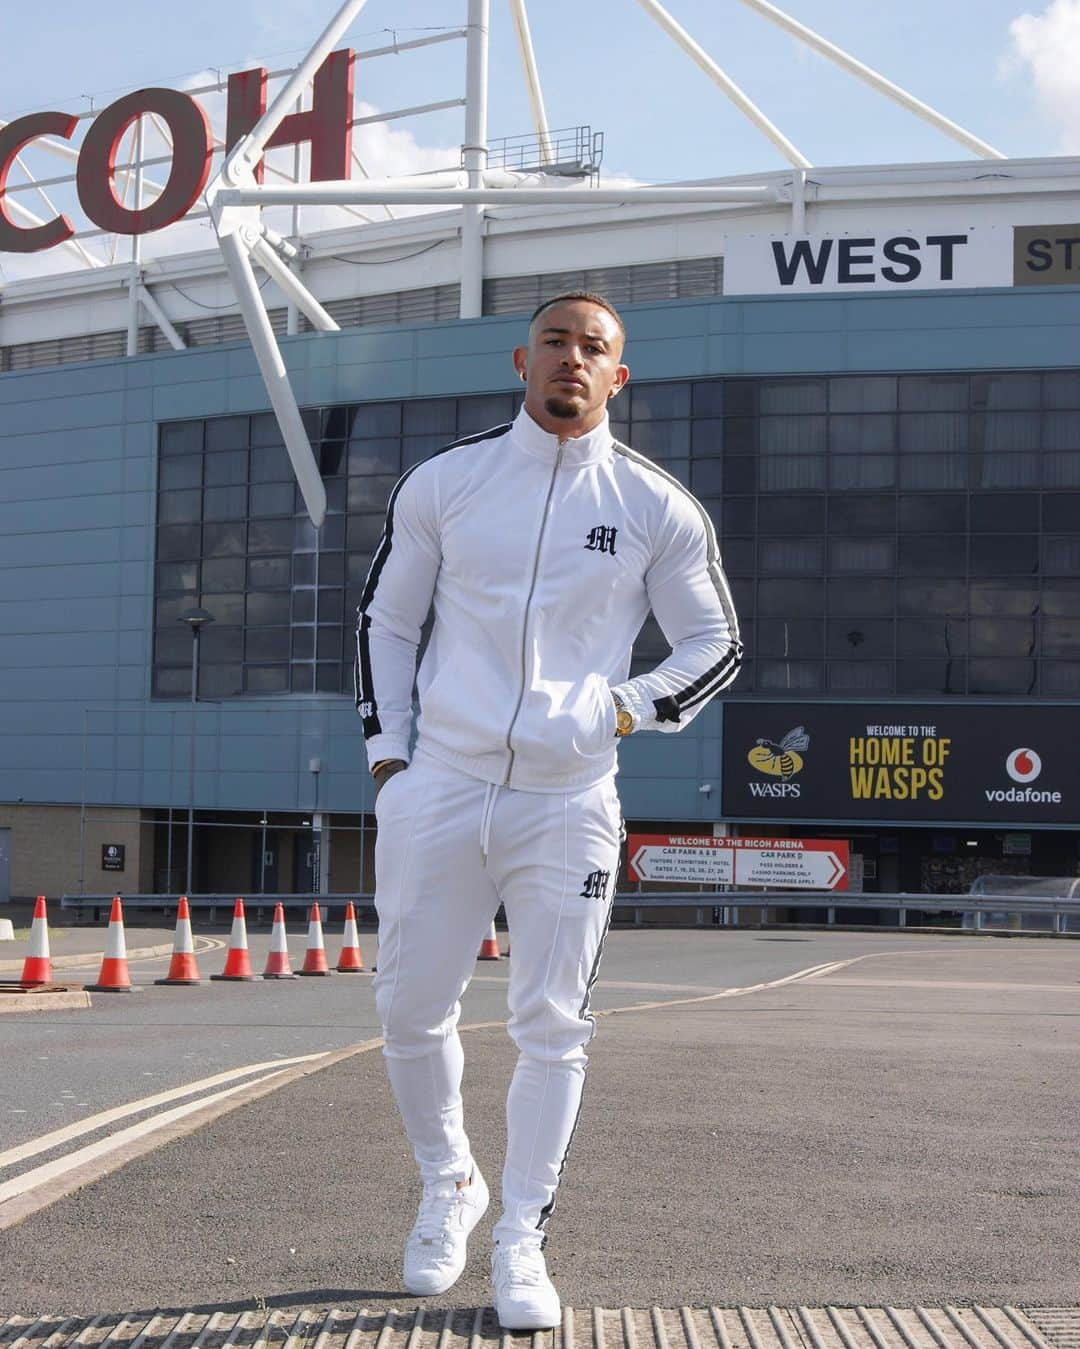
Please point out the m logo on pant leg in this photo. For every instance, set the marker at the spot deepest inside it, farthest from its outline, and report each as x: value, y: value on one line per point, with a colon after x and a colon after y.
x: 596, y: 884
x: 601, y: 539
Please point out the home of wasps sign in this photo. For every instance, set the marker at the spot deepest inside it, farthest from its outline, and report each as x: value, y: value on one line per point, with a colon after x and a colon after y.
x: 921, y: 763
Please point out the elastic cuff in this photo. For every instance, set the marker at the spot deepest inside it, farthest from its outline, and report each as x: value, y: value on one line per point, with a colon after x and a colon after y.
x: 386, y: 747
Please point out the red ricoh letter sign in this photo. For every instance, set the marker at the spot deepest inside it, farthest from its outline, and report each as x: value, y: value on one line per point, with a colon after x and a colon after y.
x: 327, y: 126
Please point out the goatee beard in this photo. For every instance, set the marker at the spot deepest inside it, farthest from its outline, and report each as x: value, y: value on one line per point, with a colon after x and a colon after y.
x: 561, y: 407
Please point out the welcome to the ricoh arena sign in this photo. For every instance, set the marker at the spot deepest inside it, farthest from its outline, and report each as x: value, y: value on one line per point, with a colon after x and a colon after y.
x: 327, y: 125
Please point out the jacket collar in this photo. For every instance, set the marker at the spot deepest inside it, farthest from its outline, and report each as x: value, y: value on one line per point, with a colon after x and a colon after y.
x: 541, y: 444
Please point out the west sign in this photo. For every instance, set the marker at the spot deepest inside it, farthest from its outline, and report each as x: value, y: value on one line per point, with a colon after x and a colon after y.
x: 880, y: 258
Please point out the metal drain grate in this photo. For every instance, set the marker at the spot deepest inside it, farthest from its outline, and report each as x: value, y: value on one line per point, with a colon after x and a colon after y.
x: 1059, y: 1326
x: 588, y: 1328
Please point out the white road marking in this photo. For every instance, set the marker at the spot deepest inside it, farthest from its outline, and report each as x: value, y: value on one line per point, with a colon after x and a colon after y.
x: 41, y: 1175
x: 58, y: 1136
x: 811, y: 972
x: 83, y: 1157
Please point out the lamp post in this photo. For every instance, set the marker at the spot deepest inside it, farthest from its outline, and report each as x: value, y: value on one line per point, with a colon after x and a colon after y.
x: 194, y: 618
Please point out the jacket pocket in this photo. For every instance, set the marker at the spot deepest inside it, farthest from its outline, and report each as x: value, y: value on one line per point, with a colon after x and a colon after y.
x: 595, y: 729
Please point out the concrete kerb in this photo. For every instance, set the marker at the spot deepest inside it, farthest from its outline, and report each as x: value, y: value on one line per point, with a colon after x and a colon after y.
x: 68, y: 1000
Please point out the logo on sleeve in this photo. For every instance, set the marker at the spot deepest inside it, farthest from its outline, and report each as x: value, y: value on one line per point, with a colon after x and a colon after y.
x: 601, y: 539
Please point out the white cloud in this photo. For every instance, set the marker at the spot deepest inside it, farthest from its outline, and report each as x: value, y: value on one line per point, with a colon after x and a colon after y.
x: 1046, y: 48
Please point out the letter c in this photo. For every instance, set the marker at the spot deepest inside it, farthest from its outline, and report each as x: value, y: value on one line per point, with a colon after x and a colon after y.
x: 13, y: 137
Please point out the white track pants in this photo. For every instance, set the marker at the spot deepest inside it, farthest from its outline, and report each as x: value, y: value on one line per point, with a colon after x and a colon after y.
x: 450, y: 848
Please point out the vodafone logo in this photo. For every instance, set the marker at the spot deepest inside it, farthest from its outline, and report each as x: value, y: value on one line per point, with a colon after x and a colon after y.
x: 1023, y: 765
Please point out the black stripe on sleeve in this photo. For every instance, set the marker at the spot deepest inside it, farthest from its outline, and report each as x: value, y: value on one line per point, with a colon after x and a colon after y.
x: 363, y: 681
x: 713, y: 679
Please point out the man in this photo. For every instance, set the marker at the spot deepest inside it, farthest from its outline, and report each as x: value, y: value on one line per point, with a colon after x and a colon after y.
x: 542, y: 545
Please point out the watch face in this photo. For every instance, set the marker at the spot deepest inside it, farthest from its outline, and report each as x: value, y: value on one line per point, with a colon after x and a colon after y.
x: 624, y: 722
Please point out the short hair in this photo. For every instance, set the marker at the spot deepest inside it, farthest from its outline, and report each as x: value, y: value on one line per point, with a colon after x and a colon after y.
x: 590, y: 295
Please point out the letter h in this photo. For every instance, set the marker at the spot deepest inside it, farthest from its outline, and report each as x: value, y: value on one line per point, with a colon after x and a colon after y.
x: 327, y: 125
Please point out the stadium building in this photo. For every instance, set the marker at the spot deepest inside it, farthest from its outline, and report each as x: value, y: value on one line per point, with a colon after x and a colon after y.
x: 869, y: 375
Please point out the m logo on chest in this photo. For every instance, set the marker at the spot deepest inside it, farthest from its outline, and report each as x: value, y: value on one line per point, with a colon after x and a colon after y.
x: 601, y: 539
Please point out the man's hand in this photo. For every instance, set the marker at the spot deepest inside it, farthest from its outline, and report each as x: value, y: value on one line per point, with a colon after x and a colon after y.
x: 384, y: 771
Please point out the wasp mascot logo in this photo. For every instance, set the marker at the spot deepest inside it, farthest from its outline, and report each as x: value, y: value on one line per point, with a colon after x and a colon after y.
x: 781, y: 760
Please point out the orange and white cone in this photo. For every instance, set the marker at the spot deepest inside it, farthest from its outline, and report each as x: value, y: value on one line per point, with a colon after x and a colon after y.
x: 277, y: 962
x: 237, y: 960
x: 489, y: 947
x: 182, y: 967
x: 37, y: 967
x: 351, y: 961
x: 114, y: 976
x: 315, y: 956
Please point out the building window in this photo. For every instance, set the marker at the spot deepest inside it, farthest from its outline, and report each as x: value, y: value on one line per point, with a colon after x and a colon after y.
x: 883, y: 534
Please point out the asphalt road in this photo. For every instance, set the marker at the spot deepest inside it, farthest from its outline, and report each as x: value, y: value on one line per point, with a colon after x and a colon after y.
x: 899, y: 1130
x: 60, y: 1067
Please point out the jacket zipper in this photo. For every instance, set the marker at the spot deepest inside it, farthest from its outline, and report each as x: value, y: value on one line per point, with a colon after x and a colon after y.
x: 525, y: 625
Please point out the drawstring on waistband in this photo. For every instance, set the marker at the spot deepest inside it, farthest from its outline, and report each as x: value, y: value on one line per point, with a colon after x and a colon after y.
x: 490, y: 792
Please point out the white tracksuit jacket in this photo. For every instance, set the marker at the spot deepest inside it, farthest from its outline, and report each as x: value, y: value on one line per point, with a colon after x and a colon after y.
x: 543, y: 560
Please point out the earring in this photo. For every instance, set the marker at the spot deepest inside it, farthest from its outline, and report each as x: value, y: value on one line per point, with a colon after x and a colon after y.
x: 522, y: 374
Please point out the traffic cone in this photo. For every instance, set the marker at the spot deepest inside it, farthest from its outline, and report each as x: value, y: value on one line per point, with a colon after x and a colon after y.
x: 489, y: 947
x: 114, y: 976
x: 277, y: 962
x: 37, y: 967
x: 237, y: 960
x: 182, y: 967
x: 315, y: 957
x: 351, y: 961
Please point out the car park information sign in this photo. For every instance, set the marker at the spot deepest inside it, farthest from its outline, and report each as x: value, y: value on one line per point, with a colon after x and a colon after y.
x: 783, y: 863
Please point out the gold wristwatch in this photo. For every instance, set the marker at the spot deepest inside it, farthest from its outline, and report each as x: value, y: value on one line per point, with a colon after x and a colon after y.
x: 624, y: 718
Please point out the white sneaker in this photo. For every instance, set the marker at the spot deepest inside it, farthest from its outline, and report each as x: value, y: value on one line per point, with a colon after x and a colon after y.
x: 436, y: 1249
x: 525, y: 1298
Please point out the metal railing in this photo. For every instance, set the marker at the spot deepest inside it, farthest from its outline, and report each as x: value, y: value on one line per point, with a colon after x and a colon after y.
x: 709, y: 907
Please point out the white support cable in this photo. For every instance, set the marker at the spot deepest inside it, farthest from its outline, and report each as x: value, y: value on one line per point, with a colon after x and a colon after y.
x: 61, y: 148
x: 474, y: 158
x: 532, y: 79
x: 161, y: 319
x: 798, y: 202
x: 359, y: 163
x: 415, y: 111
x: 114, y: 252
x: 72, y: 245
x: 235, y: 252
x: 140, y: 154
x: 346, y: 193
x: 872, y: 78
x: 250, y: 149
x: 135, y: 285
x: 88, y: 258
x: 293, y: 288
x: 749, y: 109
x: 292, y: 312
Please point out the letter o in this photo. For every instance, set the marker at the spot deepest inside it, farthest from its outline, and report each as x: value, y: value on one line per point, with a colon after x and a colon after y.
x: 192, y: 151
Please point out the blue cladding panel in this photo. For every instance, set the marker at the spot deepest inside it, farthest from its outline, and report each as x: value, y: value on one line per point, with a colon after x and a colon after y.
x: 35, y: 450
x: 206, y: 398
x: 64, y: 414
x: 77, y: 468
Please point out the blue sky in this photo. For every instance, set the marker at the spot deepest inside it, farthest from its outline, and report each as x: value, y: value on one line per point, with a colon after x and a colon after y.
x: 604, y: 62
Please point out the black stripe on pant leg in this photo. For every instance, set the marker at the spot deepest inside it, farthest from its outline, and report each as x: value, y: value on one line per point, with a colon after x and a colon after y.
x: 583, y: 1012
